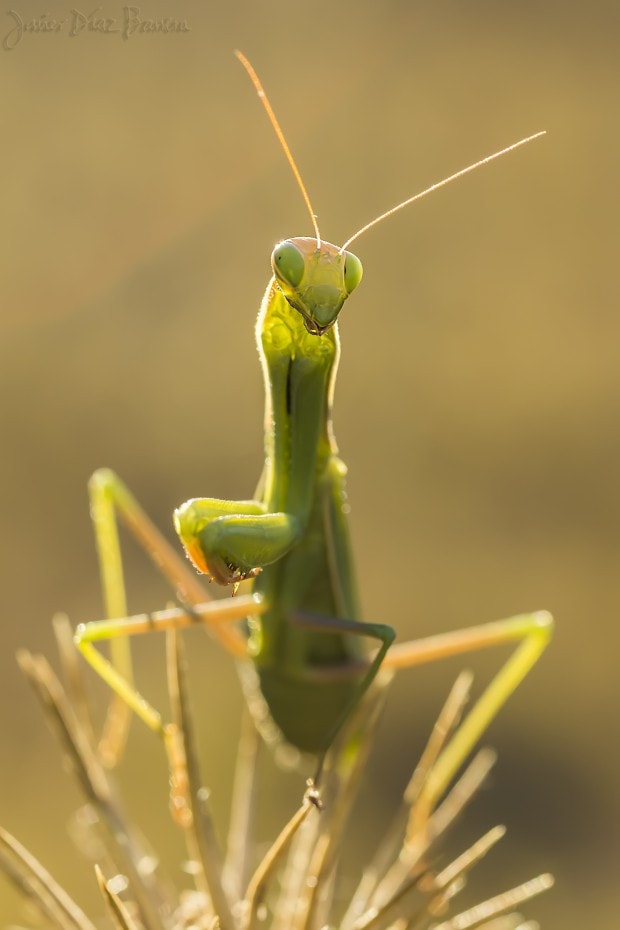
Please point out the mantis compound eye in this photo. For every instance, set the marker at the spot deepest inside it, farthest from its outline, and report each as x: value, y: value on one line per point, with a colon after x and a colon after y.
x: 288, y: 263
x: 352, y: 271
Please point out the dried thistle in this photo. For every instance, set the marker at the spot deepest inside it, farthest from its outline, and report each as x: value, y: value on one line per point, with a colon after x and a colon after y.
x: 410, y: 882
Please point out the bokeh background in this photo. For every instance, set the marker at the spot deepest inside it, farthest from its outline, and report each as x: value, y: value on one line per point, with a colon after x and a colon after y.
x: 477, y: 404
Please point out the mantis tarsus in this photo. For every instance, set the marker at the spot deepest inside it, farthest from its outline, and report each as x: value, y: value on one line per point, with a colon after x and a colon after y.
x: 291, y: 541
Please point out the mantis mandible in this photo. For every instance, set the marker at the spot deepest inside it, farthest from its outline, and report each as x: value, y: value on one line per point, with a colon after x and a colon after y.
x: 291, y: 541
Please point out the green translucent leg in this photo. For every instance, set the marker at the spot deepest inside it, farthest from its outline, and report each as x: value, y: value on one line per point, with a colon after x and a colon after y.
x: 115, y: 605
x: 212, y: 613
x: 338, y: 625
x: 532, y: 631
x: 109, y: 496
x: 233, y: 540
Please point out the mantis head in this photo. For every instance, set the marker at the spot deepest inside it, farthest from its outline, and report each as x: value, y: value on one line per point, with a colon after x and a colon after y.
x: 316, y: 278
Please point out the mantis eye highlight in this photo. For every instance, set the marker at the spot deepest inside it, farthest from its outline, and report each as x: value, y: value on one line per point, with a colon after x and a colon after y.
x: 352, y: 271
x: 288, y: 264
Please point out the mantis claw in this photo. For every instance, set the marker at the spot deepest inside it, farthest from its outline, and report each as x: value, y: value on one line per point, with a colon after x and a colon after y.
x: 244, y: 576
x: 312, y: 794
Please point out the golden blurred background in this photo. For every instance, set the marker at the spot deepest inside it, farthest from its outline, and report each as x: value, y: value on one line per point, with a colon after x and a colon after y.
x: 478, y: 398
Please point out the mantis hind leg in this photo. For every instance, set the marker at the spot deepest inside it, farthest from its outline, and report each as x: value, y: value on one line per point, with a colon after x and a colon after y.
x: 109, y: 498
x: 365, y: 675
x: 532, y: 632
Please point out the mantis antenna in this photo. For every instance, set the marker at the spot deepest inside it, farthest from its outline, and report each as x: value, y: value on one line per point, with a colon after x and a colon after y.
x: 278, y: 131
x: 399, y: 206
x: 434, y: 187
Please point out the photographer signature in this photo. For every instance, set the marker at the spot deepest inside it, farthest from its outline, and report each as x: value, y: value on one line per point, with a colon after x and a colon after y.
x: 75, y: 23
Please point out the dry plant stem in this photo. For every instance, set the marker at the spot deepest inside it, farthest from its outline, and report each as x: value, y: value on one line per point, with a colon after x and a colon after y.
x: 72, y: 668
x: 417, y: 844
x: 119, y: 913
x: 510, y: 922
x: 409, y: 868
x: 444, y: 726
x: 418, y: 838
x: 376, y: 918
x: 497, y: 905
x: 346, y: 769
x: 448, y: 883
x: 260, y: 879
x: 36, y: 882
x: 470, y: 857
x: 199, y: 830
x: 237, y: 867
x: 460, y: 795
x: 96, y: 787
x: 293, y: 880
x: 404, y: 891
x: 445, y: 885
x: 446, y: 723
x: 307, y: 882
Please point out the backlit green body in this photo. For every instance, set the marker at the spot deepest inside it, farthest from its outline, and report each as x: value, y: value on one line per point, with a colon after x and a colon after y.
x: 295, y: 530
x: 303, y: 477
x: 291, y: 541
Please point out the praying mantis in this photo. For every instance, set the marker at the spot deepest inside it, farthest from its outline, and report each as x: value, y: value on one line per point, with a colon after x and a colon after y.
x: 290, y: 543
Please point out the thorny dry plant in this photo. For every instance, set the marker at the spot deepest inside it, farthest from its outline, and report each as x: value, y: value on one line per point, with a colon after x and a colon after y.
x: 409, y: 882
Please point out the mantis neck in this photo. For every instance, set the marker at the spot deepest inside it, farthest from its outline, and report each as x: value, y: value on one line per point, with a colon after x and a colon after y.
x: 299, y: 371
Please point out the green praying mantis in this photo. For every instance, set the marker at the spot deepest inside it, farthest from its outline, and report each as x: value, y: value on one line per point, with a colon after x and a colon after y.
x: 303, y: 629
